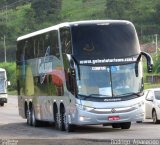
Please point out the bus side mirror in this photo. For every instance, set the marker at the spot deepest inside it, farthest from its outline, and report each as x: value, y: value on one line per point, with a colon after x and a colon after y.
x: 149, y: 61
x: 8, y: 83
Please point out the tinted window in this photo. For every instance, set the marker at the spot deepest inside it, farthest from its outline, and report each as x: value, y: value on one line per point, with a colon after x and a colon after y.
x: 104, y: 41
x: 44, y: 41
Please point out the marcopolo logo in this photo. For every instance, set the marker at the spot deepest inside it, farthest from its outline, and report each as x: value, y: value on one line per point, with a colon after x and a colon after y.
x: 113, y: 110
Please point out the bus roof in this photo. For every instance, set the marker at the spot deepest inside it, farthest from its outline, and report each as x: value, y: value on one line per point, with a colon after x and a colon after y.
x: 68, y: 24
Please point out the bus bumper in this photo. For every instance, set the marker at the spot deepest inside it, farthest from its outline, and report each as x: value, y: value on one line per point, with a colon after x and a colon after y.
x: 3, y: 98
x: 83, y: 117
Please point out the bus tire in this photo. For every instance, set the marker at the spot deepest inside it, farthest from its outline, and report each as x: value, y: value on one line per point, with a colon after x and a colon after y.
x: 56, y: 118
x: 125, y: 125
x: 29, y: 117
x: 68, y: 127
x: 35, y: 122
x: 61, y: 121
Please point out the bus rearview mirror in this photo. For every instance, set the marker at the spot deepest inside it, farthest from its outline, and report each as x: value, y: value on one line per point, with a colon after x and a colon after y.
x: 8, y: 83
x: 149, y: 61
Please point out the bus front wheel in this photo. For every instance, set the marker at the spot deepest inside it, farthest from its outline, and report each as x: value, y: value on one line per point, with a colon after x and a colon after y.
x: 68, y: 127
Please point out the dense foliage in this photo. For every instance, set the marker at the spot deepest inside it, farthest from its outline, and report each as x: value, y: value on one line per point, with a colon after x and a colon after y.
x: 19, y: 17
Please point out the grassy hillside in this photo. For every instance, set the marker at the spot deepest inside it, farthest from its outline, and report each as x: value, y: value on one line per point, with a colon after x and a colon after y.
x: 73, y: 10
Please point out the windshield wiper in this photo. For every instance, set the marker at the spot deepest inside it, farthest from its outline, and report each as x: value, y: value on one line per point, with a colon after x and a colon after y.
x: 98, y: 95
x: 94, y: 95
x: 130, y: 94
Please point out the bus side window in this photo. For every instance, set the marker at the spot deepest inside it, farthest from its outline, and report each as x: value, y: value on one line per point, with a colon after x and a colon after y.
x: 41, y: 46
x: 66, y: 40
x: 35, y: 47
x: 28, y: 49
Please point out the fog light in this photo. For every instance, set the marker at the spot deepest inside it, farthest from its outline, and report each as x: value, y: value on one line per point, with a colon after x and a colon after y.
x: 82, y: 118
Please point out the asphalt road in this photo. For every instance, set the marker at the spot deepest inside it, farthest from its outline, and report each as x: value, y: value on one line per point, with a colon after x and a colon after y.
x: 15, y: 131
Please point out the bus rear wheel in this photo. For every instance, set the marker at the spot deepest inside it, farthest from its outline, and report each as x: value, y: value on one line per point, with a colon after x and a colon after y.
x: 61, y: 121
x: 125, y: 125
x: 56, y: 118
x: 29, y: 116
x: 35, y: 122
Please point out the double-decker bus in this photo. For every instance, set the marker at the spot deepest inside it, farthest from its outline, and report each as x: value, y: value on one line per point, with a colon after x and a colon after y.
x: 3, y: 87
x: 81, y: 73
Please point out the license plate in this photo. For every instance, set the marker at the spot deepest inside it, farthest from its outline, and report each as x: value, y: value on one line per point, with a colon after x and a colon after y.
x: 111, y: 118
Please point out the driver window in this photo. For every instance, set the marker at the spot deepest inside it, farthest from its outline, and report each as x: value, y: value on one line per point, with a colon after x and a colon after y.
x: 65, y: 40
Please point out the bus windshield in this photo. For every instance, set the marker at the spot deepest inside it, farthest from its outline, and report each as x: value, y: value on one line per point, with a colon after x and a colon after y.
x: 108, y: 81
x: 2, y: 82
x: 2, y: 88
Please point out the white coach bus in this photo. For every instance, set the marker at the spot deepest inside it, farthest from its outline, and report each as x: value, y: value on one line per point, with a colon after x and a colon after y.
x: 81, y: 73
x: 3, y: 87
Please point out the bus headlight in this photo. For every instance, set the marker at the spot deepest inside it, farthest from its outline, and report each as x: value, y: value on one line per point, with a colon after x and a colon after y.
x: 138, y: 105
x: 85, y: 108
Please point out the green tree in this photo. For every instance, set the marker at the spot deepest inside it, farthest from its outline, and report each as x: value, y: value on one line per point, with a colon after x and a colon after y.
x: 120, y: 9
x: 46, y: 10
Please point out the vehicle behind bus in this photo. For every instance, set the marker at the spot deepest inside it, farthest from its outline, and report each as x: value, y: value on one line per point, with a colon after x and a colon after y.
x: 81, y: 73
x: 3, y: 87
